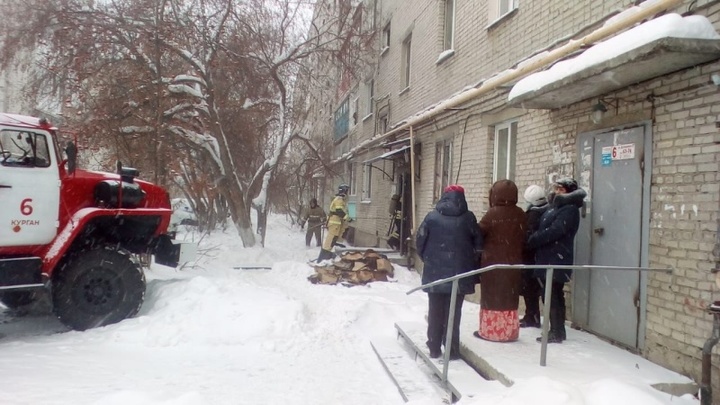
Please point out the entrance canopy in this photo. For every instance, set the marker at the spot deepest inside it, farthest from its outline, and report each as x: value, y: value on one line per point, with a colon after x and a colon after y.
x: 389, y: 155
x: 655, y: 48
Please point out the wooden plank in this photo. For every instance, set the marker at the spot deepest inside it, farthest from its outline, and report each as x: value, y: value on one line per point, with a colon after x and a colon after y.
x: 463, y: 380
x: 412, y: 383
x: 251, y: 267
x: 363, y: 249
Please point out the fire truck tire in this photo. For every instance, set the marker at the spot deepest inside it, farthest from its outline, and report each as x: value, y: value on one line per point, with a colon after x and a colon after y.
x: 17, y: 299
x: 98, y: 287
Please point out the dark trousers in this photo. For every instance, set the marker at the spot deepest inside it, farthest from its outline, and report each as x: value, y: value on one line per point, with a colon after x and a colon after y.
x: 438, y: 311
x: 531, y: 290
x: 313, y: 230
x: 557, y: 309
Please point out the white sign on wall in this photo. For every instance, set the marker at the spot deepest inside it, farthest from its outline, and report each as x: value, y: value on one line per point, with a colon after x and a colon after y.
x: 623, y: 152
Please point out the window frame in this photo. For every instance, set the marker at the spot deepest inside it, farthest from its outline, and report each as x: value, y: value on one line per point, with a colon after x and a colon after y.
x: 382, y: 123
x: 39, y: 154
x: 352, y: 181
x: 511, y: 149
x: 449, y: 25
x: 495, y: 6
x: 366, y: 195
x: 406, y: 65
x: 370, y: 93
x: 341, y: 113
x: 443, y: 169
x: 510, y: 4
x: 355, y: 116
x: 386, y: 32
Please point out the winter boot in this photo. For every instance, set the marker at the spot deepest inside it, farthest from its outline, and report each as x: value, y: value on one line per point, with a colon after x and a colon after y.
x: 434, y: 352
x: 324, y: 255
x: 557, y: 322
x: 553, y: 337
x: 530, y: 321
x: 532, y: 313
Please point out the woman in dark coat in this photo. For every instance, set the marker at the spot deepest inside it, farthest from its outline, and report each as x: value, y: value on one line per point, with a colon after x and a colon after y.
x: 554, y: 242
x: 530, y: 287
x: 503, y: 229
x: 448, y: 242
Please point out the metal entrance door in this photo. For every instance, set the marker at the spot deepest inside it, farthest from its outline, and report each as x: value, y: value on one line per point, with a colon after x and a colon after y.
x: 611, y: 167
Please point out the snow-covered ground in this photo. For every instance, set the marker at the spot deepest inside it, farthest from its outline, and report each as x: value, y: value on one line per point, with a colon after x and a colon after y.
x: 213, y: 334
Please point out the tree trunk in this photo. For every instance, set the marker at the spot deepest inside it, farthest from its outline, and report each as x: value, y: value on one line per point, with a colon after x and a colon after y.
x: 262, y: 214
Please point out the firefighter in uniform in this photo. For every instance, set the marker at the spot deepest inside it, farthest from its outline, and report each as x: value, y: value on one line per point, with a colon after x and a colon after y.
x: 315, y: 218
x: 337, y: 223
x: 396, y: 222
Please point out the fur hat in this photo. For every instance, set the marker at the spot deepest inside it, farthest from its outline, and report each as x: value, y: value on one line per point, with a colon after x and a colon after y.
x: 568, y: 183
x: 534, y: 195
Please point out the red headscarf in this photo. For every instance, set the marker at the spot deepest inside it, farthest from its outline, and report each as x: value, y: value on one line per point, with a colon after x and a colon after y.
x: 454, y: 187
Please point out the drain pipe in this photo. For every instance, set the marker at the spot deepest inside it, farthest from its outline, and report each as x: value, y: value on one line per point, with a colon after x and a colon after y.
x: 412, y: 181
x: 706, y: 383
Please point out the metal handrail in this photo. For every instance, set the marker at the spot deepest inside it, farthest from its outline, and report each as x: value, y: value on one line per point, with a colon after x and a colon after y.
x: 546, y: 306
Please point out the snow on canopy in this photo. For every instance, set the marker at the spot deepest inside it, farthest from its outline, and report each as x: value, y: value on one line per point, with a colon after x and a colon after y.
x: 667, y: 26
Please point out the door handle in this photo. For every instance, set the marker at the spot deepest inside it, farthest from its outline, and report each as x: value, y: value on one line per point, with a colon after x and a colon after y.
x: 5, y: 186
x: 599, y: 231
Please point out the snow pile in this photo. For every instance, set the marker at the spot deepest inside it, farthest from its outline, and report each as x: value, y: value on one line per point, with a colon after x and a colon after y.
x: 215, y: 335
x: 667, y: 26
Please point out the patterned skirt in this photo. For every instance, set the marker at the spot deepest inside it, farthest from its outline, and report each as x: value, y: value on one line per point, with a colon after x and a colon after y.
x: 499, y: 326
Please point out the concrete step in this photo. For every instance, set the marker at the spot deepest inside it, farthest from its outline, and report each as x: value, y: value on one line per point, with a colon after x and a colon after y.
x: 413, y: 382
x: 462, y: 381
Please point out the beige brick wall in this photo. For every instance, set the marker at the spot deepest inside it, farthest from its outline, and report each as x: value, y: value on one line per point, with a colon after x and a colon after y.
x: 684, y: 200
x: 685, y: 191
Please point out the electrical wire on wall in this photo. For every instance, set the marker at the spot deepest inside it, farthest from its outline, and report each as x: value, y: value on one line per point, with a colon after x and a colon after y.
x: 462, y: 144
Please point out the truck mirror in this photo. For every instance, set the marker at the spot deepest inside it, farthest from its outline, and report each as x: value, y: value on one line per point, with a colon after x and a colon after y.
x: 71, y: 152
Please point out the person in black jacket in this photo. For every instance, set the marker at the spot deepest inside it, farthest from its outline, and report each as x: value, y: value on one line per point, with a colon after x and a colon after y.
x: 448, y: 241
x: 553, y: 243
x: 530, y: 287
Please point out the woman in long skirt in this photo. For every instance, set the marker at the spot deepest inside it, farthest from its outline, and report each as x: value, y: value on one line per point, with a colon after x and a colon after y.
x: 503, y: 230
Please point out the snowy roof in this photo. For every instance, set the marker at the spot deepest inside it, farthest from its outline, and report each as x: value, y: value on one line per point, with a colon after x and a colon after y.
x: 670, y: 26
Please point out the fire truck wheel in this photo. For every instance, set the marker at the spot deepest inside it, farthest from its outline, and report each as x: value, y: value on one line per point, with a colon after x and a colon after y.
x: 17, y: 299
x: 98, y: 287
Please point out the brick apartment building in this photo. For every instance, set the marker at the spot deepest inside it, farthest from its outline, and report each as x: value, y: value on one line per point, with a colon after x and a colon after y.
x: 639, y: 128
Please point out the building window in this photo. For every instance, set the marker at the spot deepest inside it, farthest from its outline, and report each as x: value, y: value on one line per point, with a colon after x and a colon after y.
x: 342, y: 119
x: 367, y: 182
x: 443, y: 166
x: 505, y: 141
x: 386, y: 38
x: 449, y: 24
x: 352, y: 182
x: 406, y: 62
x: 370, y: 97
x: 506, y: 6
x: 356, y: 110
x: 382, y: 123
x: 501, y: 8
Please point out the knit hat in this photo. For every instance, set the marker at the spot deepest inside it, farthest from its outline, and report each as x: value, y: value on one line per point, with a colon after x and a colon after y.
x: 454, y: 187
x: 535, y: 195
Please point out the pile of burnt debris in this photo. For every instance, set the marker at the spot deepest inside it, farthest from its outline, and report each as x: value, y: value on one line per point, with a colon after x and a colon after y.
x: 353, y: 268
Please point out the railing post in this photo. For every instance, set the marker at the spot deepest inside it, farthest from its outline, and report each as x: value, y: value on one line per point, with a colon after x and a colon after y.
x: 449, y: 330
x: 546, y: 316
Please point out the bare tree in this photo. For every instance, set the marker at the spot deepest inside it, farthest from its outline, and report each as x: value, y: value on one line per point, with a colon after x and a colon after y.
x: 197, y: 92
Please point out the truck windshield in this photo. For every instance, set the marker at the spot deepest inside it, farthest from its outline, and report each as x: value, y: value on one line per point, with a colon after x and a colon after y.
x: 24, y: 149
